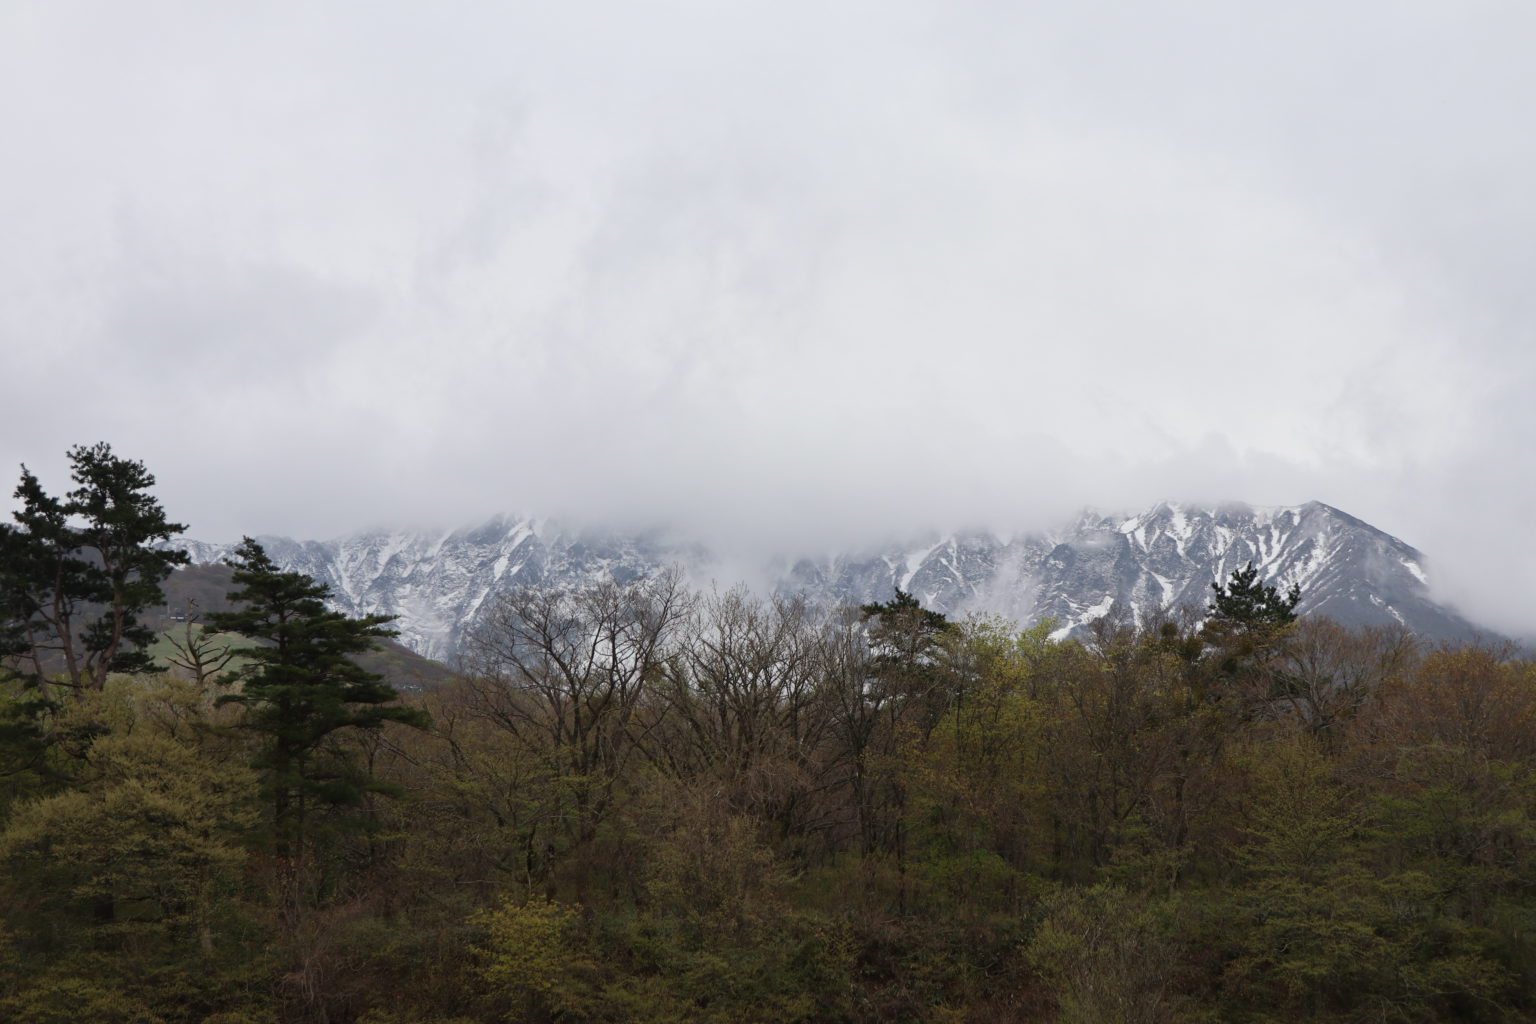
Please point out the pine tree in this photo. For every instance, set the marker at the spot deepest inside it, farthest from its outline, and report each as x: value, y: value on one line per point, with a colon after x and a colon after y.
x: 1248, y: 620
x: 905, y: 640
x: 76, y: 574
x: 905, y: 686
x: 301, y: 688
x: 1247, y: 603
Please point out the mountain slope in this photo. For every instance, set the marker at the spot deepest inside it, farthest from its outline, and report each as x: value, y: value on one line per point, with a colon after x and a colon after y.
x: 204, y: 587
x: 1155, y: 561
x: 1139, y: 565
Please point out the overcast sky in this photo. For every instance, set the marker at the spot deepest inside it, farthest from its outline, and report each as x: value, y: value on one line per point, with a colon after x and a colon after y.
x: 782, y: 270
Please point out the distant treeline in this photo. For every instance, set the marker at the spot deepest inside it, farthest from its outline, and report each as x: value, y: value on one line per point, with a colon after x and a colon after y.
x: 643, y: 804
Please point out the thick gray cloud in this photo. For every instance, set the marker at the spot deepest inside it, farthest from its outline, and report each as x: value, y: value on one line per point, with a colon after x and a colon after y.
x: 781, y: 271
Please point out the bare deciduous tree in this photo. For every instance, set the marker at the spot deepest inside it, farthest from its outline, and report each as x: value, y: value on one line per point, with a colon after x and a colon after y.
x: 201, y: 653
x: 569, y: 673
x: 750, y: 713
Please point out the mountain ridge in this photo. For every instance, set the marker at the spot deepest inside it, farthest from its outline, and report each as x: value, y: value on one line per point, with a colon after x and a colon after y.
x: 1140, y: 565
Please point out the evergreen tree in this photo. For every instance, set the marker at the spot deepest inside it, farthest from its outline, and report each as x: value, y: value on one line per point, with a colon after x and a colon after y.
x: 76, y: 574
x: 905, y: 688
x: 904, y: 615
x: 301, y: 689
x: 1247, y: 603
x: 1248, y: 620
x: 905, y: 641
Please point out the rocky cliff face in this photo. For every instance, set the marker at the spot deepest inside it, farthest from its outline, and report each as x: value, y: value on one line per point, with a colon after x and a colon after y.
x: 1138, y: 566
x: 1152, y: 562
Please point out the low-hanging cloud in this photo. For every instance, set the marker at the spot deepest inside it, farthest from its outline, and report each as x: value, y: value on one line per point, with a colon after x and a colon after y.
x: 779, y: 273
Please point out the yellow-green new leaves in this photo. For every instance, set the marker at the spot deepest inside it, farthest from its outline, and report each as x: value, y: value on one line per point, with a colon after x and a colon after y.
x: 151, y: 830
x: 1109, y: 955
x: 530, y: 956
x: 123, y: 892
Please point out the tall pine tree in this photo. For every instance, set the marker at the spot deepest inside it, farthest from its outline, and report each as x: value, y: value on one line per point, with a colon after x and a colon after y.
x: 76, y: 573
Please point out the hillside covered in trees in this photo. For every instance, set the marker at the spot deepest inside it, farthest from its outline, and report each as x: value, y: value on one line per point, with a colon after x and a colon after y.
x: 642, y: 803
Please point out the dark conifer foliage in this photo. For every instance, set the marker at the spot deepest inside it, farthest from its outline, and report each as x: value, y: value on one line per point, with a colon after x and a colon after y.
x: 301, y: 687
x: 906, y: 641
x: 1246, y: 602
x: 76, y: 573
x: 906, y: 614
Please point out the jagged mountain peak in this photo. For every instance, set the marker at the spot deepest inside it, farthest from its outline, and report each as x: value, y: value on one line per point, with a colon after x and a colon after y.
x: 1146, y: 563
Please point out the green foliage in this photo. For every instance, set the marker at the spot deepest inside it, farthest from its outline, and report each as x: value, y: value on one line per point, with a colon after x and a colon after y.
x: 76, y: 574
x: 653, y: 811
x: 976, y: 786
x: 27, y: 764
x: 301, y: 688
x: 1240, y: 639
x: 709, y: 870
x: 531, y: 960
x: 905, y: 614
x: 152, y: 826
x: 118, y: 988
x: 1318, y: 932
x: 126, y: 885
x: 906, y: 641
x: 1247, y: 603
x: 1109, y: 955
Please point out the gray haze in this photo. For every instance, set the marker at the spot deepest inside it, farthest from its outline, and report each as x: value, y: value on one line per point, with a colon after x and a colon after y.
x: 782, y: 271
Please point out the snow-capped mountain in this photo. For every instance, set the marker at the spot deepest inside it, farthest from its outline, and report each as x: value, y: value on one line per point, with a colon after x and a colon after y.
x: 1139, y: 565
x: 1156, y: 561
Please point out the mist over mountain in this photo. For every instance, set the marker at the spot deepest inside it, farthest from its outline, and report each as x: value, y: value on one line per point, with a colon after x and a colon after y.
x: 1133, y: 565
